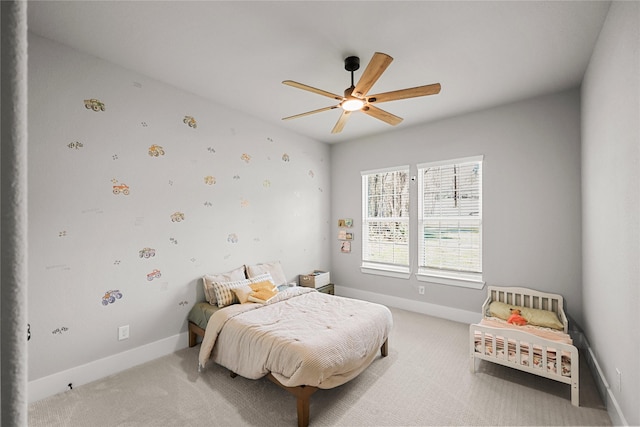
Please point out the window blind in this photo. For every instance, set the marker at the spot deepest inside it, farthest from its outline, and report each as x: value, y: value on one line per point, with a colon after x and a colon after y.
x: 385, y: 218
x: 450, y: 217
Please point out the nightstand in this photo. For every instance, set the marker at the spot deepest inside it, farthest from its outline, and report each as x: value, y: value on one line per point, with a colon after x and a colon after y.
x: 327, y: 289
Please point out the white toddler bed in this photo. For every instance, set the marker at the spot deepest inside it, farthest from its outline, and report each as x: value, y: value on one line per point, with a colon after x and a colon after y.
x: 542, y: 347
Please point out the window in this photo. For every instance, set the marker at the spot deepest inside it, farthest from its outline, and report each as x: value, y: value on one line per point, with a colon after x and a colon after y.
x: 385, y: 222
x: 450, y: 222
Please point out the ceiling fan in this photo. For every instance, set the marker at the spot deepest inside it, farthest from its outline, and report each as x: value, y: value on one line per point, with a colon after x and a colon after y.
x: 356, y: 97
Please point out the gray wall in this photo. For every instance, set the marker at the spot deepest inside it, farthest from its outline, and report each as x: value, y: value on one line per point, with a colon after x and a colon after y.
x: 531, y: 198
x: 84, y: 240
x: 611, y: 204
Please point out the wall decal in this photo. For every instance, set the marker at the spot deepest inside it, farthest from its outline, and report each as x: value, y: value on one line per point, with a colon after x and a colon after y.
x: 170, y: 182
x: 59, y: 330
x: 311, y: 174
x: 236, y: 177
x: 208, y: 204
x: 209, y: 180
x: 188, y: 120
x: 93, y: 210
x: 116, y: 262
x: 137, y: 84
x: 244, y: 203
x: 111, y: 296
x: 93, y: 104
x: 285, y: 157
x: 156, y: 150
x: 211, y: 150
x: 245, y: 157
x: 266, y: 183
x: 114, y: 157
x: 172, y: 240
x: 28, y: 331
x: 177, y: 217
x: 155, y: 274
x: 120, y: 188
x: 63, y: 233
x: 144, y: 124
x: 75, y: 144
x: 183, y: 303
x: 147, y: 253
x: 232, y: 238
x: 269, y: 139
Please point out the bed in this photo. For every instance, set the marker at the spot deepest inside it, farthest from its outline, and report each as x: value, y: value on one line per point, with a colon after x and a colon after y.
x: 542, y: 347
x: 302, y: 340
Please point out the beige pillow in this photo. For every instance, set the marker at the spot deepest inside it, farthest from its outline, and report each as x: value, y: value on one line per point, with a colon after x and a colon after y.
x: 229, y: 276
x: 533, y: 316
x: 225, y: 290
x: 273, y: 268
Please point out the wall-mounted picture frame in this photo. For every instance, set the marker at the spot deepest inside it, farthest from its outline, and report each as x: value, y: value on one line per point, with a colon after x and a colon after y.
x: 348, y: 222
x: 342, y: 234
x: 348, y: 235
x: 345, y: 247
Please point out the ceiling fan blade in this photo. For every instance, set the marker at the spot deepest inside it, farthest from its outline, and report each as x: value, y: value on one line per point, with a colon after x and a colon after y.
x: 372, y: 73
x: 313, y: 89
x: 341, y: 122
x: 311, y: 112
x: 413, y: 92
x: 379, y: 114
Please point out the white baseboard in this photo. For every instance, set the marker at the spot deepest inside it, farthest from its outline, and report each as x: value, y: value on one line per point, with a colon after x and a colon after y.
x: 613, y: 409
x: 58, y: 382
x: 435, y: 310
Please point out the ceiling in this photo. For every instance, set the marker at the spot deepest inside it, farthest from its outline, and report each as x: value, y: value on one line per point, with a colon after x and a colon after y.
x: 237, y: 53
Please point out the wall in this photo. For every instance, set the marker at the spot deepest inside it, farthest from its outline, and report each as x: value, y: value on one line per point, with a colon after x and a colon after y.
x: 531, y: 205
x: 248, y: 193
x: 611, y: 208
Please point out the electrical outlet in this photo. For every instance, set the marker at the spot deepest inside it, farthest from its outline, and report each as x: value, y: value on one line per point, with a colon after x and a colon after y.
x: 619, y: 372
x: 421, y: 290
x: 123, y: 333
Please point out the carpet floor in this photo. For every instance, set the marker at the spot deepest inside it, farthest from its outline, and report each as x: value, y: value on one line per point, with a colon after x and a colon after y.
x: 424, y: 381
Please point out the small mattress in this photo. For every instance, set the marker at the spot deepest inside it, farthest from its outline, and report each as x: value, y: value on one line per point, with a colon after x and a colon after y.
x: 201, y: 312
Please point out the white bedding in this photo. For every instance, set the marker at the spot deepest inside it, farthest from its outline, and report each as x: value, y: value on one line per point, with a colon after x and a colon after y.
x: 302, y: 337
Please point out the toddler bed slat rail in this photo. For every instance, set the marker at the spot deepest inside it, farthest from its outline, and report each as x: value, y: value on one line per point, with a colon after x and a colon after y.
x: 522, y: 350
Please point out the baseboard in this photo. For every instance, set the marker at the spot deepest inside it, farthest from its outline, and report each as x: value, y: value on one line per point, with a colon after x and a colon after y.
x: 435, y: 310
x: 606, y: 394
x: 58, y: 382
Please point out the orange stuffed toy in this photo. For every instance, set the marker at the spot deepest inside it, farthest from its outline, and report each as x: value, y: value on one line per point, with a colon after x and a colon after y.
x: 516, y: 318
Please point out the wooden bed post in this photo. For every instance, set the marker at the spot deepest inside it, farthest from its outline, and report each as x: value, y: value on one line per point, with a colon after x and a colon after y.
x: 303, y: 394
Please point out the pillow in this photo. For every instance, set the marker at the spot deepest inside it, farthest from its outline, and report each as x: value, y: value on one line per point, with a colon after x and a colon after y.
x: 244, y: 292
x: 273, y: 268
x: 229, y: 276
x: 534, y: 316
x: 225, y: 294
x: 263, y: 295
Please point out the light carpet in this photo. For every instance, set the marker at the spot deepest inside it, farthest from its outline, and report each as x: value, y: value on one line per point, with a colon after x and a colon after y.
x: 424, y: 381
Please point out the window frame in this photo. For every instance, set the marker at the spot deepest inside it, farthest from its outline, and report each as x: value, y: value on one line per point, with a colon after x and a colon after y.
x: 385, y: 268
x: 461, y: 278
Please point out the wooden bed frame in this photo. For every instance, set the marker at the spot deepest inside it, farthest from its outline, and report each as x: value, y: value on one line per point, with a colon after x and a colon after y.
x: 532, y: 299
x: 302, y: 393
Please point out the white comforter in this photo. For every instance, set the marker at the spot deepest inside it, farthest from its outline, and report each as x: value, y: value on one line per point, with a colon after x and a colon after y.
x: 302, y: 337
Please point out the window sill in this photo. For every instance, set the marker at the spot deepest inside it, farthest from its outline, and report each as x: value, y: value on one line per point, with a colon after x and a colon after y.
x: 389, y: 271
x: 463, y: 282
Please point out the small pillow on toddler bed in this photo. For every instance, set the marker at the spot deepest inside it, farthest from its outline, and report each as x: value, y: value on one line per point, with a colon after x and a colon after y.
x: 533, y: 316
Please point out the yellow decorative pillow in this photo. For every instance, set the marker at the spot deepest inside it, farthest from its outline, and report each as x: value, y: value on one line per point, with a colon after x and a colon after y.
x: 243, y: 293
x: 534, y: 316
x: 262, y: 292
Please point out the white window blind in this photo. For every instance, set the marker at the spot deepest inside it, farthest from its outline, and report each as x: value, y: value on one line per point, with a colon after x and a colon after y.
x: 450, y: 219
x: 385, y: 219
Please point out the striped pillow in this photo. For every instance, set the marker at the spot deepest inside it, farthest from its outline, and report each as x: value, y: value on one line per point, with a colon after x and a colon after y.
x: 224, y: 290
x: 229, y: 276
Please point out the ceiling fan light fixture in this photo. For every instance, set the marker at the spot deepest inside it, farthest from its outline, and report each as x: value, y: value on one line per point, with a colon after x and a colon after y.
x: 352, y: 104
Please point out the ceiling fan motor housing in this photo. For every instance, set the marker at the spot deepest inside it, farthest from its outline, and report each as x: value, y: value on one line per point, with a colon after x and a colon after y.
x: 352, y: 63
